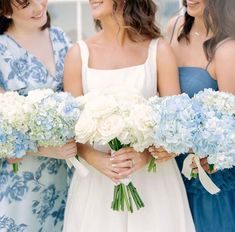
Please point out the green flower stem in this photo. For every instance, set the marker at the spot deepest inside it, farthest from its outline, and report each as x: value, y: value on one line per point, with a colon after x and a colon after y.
x: 126, y: 199
x: 152, y: 167
x: 130, y: 200
x: 15, y: 167
x: 124, y: 194
x: 211, y: 167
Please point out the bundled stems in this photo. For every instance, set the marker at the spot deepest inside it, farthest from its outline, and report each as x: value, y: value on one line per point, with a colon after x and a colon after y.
x: 152, y: 165
x: 124, y: 195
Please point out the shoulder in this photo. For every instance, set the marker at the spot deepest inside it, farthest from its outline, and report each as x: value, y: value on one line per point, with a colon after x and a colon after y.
x: 74, y: 51
x: 163, y: 48
x: 225, y: 51
x: 59, y: 35
x: 174, y: 25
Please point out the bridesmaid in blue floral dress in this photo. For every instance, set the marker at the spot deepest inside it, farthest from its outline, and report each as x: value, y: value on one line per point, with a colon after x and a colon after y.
x: 32, y: 56
x: 199, y: 70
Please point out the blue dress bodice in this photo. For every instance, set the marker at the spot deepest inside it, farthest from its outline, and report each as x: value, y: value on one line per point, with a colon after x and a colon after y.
x: 194, y: 79
x: 210, y: 212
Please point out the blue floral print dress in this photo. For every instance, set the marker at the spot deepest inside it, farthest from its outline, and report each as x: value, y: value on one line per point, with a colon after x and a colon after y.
x: 33, y: 200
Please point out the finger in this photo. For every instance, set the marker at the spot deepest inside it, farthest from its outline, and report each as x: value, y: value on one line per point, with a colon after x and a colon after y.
x: 123, y: 157
x: 118, y: 170
x: 125, y: 164
x: 14, y: 160
x: 152, y: 149
x: 127, y: 173
x: 163, y: 154
x: 163, y: 159
x: 123, y: 151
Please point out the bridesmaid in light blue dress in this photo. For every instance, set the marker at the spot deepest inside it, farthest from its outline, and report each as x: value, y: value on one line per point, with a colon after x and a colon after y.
x: 210, y: 212
x: 33, y: 200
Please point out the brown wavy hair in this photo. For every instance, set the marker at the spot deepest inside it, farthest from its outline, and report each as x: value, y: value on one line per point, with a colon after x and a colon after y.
x: 187, y: 26
x: 139, y: 18
x: 6, y: 9
x: 219, y: 18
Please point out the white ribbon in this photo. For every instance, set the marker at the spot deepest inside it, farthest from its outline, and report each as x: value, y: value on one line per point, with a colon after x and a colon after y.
x: 205, y: 180
x: 79, y: 167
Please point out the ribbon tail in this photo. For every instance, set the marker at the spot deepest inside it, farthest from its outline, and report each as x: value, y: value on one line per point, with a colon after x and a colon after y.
x: 79, y: 167
x: 205, y: 180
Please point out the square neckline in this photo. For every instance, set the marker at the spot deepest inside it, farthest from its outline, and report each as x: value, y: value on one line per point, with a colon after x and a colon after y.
x: 138, y: 66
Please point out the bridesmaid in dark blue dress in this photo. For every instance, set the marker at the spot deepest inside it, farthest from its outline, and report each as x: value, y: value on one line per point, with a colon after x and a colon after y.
x: 199, y: 70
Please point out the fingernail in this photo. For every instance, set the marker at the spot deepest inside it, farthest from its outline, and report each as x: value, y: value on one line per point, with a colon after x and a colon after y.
x: 114, y: 165
x: 111, y: 159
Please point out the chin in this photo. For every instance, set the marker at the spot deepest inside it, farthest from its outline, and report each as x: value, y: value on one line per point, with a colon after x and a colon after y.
x: 194, y: 13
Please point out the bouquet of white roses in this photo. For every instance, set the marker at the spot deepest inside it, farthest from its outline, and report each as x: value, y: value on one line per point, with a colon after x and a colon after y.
x: 174, y: 124
x: 52, y: 118
x: 118, y: 118
x: 14, y: 140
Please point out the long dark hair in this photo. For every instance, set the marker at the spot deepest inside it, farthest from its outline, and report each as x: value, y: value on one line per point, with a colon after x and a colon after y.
x: 139, y: 18
x: 219, y: 18
x: 6, y: 9
x: 187, y: 26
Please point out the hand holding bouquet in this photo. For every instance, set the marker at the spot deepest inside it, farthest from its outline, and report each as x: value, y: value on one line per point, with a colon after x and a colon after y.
x: 174, y: 124
x: 118, y: 118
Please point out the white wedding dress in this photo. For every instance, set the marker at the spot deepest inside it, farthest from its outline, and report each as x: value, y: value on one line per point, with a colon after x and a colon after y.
x: 89, y: 201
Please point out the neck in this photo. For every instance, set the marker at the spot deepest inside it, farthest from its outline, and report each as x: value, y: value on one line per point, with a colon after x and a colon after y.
x: 22, y: 31
x: 199, y: 27
x: 113, y: 30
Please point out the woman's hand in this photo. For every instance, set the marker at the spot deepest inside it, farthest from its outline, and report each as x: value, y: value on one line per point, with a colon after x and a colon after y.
x: 59, y: 152
x: 103, y: 163
x: 129, y: 160
x: 205, y: 166
x: 14, y: 160
x: 160, y: 154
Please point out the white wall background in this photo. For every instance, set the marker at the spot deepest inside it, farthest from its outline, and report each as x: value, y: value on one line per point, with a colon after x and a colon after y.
x: 73, y: 16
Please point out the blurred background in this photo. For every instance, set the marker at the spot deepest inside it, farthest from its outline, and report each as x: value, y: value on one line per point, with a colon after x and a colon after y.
x: 73, y: 16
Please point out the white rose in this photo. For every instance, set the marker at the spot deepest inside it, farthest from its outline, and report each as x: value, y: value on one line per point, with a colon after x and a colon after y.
x: 85, y: 128
x: 101, y: 106
x: 109, y: 128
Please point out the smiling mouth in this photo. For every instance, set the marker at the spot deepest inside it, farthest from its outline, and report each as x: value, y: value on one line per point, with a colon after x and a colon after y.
x: 38, y: 16
x: 96, y: 4
x: 192, y: 3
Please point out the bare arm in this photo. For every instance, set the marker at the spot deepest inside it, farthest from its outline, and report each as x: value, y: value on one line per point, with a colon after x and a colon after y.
x: 73, y: 84
x: 224, y: 67
x: 168, y: 76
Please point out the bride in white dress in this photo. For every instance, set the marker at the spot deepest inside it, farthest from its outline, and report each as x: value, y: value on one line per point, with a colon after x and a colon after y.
x: 126, y: 52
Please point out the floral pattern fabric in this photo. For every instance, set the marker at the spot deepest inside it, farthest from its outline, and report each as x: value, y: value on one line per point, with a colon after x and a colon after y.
x: 33, y: 200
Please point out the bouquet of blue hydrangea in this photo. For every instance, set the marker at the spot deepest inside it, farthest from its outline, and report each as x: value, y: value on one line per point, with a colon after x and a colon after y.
x: 174, y: 124
x: 215, y: 136
x: 14, y: 140
x: 52, y: 119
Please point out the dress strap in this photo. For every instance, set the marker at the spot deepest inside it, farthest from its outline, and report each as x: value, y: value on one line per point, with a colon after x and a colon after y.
x: 84, y: 52
x: 85, y: 58
x: 152, y: 63
x: 174, y: 27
